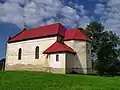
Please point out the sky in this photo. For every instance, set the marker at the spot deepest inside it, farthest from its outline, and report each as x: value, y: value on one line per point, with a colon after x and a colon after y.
x: 15, y: 14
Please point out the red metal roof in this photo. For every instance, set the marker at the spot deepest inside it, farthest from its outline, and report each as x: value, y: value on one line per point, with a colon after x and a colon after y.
x: 49, y: 30
x: 74, y: 34
x: 58, y: 47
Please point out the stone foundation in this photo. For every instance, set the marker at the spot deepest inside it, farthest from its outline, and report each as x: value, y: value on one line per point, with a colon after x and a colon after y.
x: 30, y: 67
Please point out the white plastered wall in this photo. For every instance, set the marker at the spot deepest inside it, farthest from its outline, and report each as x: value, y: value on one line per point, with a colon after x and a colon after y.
x: 58, y: 66
x: 28, y: 51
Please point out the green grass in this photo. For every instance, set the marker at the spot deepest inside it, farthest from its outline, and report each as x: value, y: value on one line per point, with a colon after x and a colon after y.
x: 28, y: 80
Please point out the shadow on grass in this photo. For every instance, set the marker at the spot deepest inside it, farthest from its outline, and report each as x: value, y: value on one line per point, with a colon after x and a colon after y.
x: 95, y: 74
x: 75, y: 73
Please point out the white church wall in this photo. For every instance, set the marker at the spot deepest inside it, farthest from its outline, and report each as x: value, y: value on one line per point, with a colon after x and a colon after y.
x: 81, y: 61
x: 58, y: 66
x: 28, y: 52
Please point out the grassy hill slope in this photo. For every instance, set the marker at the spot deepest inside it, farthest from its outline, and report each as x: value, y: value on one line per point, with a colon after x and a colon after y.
x: 28, y: 80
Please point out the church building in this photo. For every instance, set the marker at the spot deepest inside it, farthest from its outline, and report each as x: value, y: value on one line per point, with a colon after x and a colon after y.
x: 50, y: 48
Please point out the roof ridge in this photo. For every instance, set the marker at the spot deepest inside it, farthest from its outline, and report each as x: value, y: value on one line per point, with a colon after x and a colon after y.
x: 58, y: 27
x: 61, y: 26
x: 50, y: 46
x: 66, y: 45
x: 43, y: 26
x: 63, y: 45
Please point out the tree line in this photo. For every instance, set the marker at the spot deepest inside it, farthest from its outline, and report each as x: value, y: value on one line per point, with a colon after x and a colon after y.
x: 105, y: 49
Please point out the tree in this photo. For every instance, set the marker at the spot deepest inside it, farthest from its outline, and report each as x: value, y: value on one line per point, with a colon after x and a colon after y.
x: 105, y: 50
x: 94, y: 31
x: 2, y: 64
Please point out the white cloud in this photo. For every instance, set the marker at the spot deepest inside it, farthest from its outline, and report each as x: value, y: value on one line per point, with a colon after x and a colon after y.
x: 84, y: 21
x: 113, y: 2
x: 100, y: 0
x: 100, y: 8
x: 11, y: 12
x: 80, y: 8
x: 22, y: 2
x: 110, y: 15
x: 42, y: 12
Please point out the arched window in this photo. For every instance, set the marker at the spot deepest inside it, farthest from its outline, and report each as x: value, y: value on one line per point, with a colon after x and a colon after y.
x: 37, y: 52
x: 19, y: 54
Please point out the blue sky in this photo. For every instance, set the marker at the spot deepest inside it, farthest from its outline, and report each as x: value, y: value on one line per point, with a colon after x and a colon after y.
x: 71, y: 13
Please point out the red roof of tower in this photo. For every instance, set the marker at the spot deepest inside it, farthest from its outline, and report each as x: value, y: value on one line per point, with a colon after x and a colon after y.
x: 58, y: 47
x: 75, y: 34
x: 44, y: 31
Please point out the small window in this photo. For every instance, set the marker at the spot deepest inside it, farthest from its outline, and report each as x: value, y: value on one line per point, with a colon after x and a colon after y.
x: 19, y: 54
x: 57, y: 58
x: 37, y: 52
